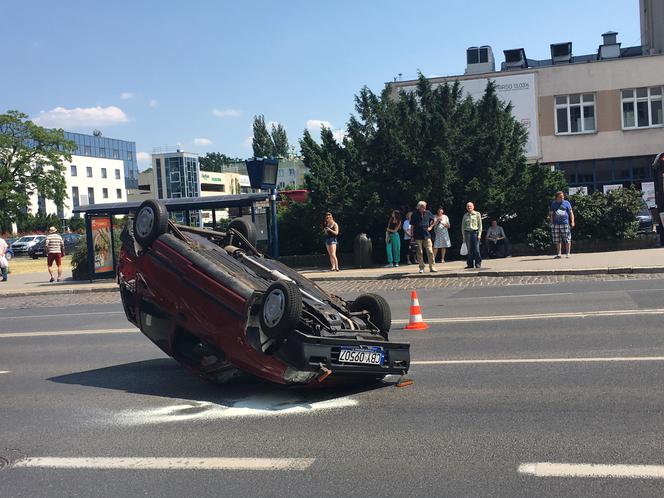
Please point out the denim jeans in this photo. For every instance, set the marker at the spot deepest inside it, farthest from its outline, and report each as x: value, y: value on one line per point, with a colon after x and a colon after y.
x: 472, y: 240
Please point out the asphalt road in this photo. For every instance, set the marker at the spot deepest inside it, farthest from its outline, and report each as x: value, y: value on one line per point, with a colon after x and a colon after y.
x: 505, y: 377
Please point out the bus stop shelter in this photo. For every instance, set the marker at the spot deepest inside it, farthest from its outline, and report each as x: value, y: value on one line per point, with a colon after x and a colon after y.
x: 99, y: 226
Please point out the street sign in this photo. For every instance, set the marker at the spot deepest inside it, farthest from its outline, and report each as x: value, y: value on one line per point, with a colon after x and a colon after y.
x: 262, y: 204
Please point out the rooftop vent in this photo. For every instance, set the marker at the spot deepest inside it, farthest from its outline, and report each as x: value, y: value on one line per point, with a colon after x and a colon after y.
x: 479, y: 60
x: 561, y: 52
x: 610, y: 48
x: 515, y: 59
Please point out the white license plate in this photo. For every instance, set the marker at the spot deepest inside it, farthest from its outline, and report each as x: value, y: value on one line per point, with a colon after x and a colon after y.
x: 373, y: 356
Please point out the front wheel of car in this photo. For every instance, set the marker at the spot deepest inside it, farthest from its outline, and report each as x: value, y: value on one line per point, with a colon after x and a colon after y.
x: 281, y: 310
x: 377, y: 307
x: 150, y: 222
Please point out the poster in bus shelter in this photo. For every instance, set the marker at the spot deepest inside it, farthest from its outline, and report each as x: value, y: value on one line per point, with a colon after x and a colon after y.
x: 101, y: 244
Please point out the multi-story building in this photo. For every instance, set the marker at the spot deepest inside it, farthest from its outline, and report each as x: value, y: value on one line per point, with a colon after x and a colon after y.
x: 175, y: 174
x: 597, y: 117
x: 102, y: 147
x: 291, y: 173
x: 89, y: 180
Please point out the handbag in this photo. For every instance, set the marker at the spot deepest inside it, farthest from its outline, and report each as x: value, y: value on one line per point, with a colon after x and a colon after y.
x: 464, y: 249
x: 3, y: 262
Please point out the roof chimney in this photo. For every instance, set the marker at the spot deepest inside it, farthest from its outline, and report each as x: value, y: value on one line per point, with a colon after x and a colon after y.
x: 561, y: 52
x: 610, y: 48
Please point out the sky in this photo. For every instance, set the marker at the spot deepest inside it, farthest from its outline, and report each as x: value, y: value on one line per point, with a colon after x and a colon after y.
x: 194, y: 74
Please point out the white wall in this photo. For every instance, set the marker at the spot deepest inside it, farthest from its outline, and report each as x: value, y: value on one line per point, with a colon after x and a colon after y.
x: 83, y: 182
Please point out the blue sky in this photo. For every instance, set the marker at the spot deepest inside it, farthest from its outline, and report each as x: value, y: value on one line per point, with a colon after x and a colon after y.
x: 195, y: 73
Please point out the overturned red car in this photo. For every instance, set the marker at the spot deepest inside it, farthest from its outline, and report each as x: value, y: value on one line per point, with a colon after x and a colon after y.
x: 210, y: 300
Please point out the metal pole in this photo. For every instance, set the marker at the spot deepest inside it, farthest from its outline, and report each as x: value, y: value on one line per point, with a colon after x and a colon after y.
x: 275, y: 230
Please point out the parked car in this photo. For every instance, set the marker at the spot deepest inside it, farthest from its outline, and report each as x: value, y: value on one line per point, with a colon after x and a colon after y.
x: 644, y: 218
x: 23, y: 245
x: 39, y: 249
x: 214, y: 303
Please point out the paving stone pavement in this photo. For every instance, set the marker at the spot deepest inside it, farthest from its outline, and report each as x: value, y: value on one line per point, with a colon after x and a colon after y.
x: 343, y: 287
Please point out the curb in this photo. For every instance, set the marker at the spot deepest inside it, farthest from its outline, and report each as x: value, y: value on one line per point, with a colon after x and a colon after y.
x: 397, y: 276
x: 499, y: 273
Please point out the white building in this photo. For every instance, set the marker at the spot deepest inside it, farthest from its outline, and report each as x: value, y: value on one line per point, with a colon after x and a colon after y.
x: 89, y: 180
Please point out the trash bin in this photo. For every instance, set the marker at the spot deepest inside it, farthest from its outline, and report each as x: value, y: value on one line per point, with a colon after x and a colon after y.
x: 362, y: 249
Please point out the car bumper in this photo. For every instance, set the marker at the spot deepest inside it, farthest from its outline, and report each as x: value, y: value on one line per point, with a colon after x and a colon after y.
x: 310, y: 354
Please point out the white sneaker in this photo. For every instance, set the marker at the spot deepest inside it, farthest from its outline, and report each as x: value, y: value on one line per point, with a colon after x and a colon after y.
x: 567, y: 256
x: 421, y: 270
x: 396, y: 265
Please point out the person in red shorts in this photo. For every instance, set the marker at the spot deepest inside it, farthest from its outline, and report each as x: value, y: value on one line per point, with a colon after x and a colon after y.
x: 55, y: 249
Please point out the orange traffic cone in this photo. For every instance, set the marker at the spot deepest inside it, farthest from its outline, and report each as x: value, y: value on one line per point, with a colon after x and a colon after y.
x: 416, y: 322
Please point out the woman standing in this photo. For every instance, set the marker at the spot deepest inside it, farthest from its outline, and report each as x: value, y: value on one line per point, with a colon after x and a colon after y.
x: 392, y: 240
x: 331, y: 229
x: 442, y: 240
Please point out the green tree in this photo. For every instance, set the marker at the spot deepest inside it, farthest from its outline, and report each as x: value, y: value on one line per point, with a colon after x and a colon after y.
x: 262, y: 141
x: 30, y: 161
x: 216, y: 161
x: 279, y: 141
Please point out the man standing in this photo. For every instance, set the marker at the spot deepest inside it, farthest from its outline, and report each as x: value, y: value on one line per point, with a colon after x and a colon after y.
x: 422, y: 222
x: 3, y: 259
x: 561, y: 217
x: 471, y: 229
x: 55, y: 249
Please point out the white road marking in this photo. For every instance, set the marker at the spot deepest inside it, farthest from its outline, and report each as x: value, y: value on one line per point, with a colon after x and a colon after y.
x: 4, y: 371
x: 268, y: 405
x: 541, y: 316
x: 539, y: 360
x: 32, y: 317
x: 67, y: 332
x: 546, y: 469
x: 508, y: 296
x: 175, y: 463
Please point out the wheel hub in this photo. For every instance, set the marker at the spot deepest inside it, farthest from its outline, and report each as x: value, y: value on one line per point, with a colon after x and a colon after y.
x: 273, y: 308
x: 145, y: 221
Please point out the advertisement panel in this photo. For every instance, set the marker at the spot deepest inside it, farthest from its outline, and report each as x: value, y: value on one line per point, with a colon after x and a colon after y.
x: 609, y: 188
x: 648, y: 192
x: 578, y: 190
x: 517, y: 89
x: 101, y: 244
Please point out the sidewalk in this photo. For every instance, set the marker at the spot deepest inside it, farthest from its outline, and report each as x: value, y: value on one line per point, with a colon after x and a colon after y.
x: 638, y: 261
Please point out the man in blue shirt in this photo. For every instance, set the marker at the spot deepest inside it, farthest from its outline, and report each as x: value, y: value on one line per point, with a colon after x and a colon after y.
x: 422, y: 222
x: 561, y: 217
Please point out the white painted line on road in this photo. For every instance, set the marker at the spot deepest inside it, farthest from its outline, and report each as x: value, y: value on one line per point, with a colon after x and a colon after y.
x: 541, y: 316
x: 546, y: 469
x: 540, y: 360
x: 66, y: 332
x: 175, y: 463
x: 4, y: 371
x: 508, y: 296
x: 54, y: 315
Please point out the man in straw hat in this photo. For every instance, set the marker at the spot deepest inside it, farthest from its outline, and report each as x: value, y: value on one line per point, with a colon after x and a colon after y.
x: 55, y: 248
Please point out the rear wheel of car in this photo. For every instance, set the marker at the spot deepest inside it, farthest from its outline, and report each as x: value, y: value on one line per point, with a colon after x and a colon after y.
x: 150, y: 222
x: 281, y: 311
x: 246, y: 228
x: 378, y: 309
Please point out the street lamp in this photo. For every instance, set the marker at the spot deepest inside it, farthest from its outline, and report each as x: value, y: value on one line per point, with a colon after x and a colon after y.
x: 263, y: 175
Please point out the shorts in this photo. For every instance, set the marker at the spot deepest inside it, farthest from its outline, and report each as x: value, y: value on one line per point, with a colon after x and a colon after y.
x: 54, y: 256
x: 561, y: 234
x: 330, y: 241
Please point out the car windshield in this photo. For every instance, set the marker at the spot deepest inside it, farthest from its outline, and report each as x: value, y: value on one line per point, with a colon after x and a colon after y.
x: 29, y: 238
x: 644, y: 212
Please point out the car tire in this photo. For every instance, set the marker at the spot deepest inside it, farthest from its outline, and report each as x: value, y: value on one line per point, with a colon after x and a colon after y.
x: 246, y: 228
x: 378, y: 309
x: 150, y: 222
x: 34, y: 256
x: 281, y: 310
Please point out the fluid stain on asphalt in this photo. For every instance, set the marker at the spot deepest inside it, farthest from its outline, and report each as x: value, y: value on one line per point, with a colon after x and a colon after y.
x: 253, y: 406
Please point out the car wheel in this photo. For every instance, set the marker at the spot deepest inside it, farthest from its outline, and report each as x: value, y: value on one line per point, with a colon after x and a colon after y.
x: 150, y: 222
x: 378, y: 309
x: 246, y: 228
x: 8, y: 256
x: 281, y: 310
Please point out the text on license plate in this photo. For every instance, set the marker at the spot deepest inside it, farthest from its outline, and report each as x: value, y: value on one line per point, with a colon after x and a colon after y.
x: 373, y: 356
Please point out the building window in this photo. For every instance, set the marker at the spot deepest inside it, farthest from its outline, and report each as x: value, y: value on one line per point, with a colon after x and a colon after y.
x: 103, y: 172
x: 129, y: 155
x: 116, y: 154
x: 88, y: 171
x: 642, y: 108
x: 104, y: 193
x: 74, y: 197
x: 575, y: 113
x: 117, y: 174
x: 91, y: 195
x: 72, y: 170
x: 291, y: 171
x: 118, y: 193
x: 88, y: 150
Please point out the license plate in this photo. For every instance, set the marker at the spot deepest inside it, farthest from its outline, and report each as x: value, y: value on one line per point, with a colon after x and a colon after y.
x: 370, y: 356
